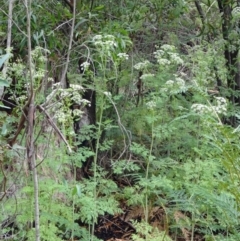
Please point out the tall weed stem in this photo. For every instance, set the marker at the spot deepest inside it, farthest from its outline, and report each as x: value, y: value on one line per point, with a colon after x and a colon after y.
x: 147, y: 170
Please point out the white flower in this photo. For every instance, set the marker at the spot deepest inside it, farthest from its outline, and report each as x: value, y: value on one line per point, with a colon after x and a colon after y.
x: 142, y: 65
x: 64, y: 93
x: 159, y: 53
x: 163, y: 61
x: 76, y: 97
x: 151, y: 105
x: 98, y: 43
x: 167, y: 47
x: 76, y: 87
x: 97, y: 38
x: 108, y: 94
x: 220, y: 108
x: 180, y: 81
x: 200, y: 108
x: 105, y: 42
x: 50, y: 80
x: 221, y: 100
x: 22, y: 98
x: 236, y: 13
x: 85, y: 65
x: 39, y: 74
x: 175, y: 58
x: 109, y: 37
x: 145, y: 76
x: 123, y: 56
x: 77, y: 113
x: 86, y: 102
x: 60, y: 116
x: 110, y: 43
x: 170, y: 83
x: 166, y: 55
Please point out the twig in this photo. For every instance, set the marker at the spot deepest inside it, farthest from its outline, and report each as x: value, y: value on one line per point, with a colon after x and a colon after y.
x: 51, y: 122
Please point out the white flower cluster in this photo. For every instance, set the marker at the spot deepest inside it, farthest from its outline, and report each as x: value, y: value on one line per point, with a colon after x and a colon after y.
x: 39, y: 74
x: 123, y: 56
x: 105, y: 42
x: 97, y: 38
x: 219, y: 108
x: 166, y: 55
x: 85, y: 65
x: 176, y: 86
x: 174, y: 57
x: 151, y: 105
x: 76, y: 97
x: 63, y: 93
x: 201, y: 109
x: 236, y: 13
x: 76, y: 87
x: 221, y: 101
x: 42, y: 59
x: 169, y: 83
x: 22, y: 98
x: 18, y: 68
x: 180, y: 81
x: 61, y: 116
x: 9, y: 51
x: 167, y: 47
x: 142, y: 65
x: 163, y: 62
x: 77, y: 113
x: 108, y: 94
x: 39, y: 54
x: 146, y: 76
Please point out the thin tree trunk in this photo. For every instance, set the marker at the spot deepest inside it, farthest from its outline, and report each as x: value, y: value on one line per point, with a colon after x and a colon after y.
x: 64, y: 73
x: 200, y: 11
x: 30, y: 129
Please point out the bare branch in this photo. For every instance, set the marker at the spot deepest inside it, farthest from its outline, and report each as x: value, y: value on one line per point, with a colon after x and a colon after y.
x: 63, y: 77
x: 51, y: 122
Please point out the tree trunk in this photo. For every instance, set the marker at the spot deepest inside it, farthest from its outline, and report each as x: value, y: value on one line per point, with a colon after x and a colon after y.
x: 232, y: 64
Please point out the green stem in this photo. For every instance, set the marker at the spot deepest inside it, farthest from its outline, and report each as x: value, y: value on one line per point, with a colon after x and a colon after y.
x: 95, y: 163
x: 147, y: 174
x: 73, y: 204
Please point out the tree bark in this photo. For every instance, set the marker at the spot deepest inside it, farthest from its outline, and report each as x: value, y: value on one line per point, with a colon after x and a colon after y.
x: 232, y: 64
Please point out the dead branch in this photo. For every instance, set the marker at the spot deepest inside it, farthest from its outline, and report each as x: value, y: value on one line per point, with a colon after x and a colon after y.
x: 54, y: 126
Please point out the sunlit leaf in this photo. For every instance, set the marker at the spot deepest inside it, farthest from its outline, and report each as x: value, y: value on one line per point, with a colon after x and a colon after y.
x: 3, y: 58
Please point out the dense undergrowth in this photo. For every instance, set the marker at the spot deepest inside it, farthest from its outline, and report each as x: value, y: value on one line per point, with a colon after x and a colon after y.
x: 161, y: 138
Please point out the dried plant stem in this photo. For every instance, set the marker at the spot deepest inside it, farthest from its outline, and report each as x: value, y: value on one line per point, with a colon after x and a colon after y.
x: 30, y: 127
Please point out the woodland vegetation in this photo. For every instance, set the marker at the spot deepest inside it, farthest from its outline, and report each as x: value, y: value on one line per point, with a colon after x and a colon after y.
x: 120, y: 120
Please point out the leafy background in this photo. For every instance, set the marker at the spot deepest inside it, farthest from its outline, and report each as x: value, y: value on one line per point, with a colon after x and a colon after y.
x: 164, y: 164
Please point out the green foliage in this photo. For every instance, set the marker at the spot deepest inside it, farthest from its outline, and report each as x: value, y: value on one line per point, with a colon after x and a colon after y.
x: 146, y: 232
x: 159, y: 135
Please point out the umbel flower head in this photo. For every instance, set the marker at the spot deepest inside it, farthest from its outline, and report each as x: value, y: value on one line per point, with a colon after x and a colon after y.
x: 142, y: 65
x: 105, y: 42
x: 219, y: 108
